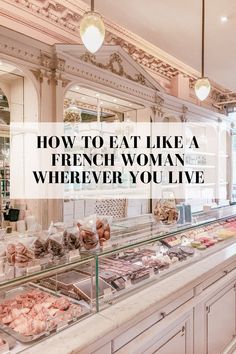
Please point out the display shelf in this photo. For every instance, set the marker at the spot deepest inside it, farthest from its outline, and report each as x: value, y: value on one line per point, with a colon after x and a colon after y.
x: 47, y: 271
x: 152, y: 276
x: 134, y: 258
x: 146, y: 241
x: 126, y: 233
x: 145, y: 232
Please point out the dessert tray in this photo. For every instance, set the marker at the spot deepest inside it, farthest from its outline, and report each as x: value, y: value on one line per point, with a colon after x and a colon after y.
x: 29, y: 313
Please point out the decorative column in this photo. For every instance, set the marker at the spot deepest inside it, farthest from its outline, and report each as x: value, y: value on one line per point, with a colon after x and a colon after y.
x: 51, y: 110
x: 55, y: 206
x: 180, y: 86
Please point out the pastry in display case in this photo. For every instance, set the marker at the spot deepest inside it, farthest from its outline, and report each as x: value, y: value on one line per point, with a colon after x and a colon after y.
x: 51, y: 280
x: 34, y: 306
x: 129, y: 267
x: 28, y: 313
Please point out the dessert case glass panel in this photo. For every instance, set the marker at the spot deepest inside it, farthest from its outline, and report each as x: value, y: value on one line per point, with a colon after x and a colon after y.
x: 131, y: 266
x: 50, y: 282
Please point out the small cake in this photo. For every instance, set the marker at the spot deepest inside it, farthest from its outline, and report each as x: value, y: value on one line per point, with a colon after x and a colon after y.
x: 202, y: 247
x: 195, y: 244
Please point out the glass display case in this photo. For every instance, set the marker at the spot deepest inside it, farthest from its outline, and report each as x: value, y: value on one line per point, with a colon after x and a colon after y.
x: 142, y: 252
x: 49, y: 281
x: 40, y: 296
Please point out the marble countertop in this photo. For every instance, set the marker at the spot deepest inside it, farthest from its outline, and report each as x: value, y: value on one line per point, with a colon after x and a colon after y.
x: 78, y: 337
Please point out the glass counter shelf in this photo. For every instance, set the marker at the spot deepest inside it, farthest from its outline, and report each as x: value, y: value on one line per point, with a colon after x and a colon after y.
x: 139, y: 254
x: 132, y: 231
x: 142, y: 253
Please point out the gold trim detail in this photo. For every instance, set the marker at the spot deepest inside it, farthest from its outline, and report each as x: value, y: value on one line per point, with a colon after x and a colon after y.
x: 114, y: 65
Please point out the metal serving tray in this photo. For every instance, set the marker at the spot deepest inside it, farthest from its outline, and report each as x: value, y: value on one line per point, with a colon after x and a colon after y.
x: 11, y: 294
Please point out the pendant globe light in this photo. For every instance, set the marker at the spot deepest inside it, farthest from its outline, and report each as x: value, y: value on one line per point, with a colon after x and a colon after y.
x: 202, y: 85
x: 92, y: 30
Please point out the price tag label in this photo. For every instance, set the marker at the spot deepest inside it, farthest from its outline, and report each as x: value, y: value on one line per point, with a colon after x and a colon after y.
x: 107, y: 294
x: 62, y: 325
x: 151, y: 272
x: 121, y: 254
x: 106, y: 245
x: 128, y: 283
x: 74, y: 255
x: 34, y: 268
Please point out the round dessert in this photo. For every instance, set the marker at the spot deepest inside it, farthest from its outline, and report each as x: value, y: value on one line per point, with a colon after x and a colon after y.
x: 210, y: 243
x: 202, y: 247
x: 187, y: 250
x: 195, y: 244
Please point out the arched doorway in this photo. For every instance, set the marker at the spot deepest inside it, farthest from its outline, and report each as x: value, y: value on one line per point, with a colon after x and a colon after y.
x: 19, y: 102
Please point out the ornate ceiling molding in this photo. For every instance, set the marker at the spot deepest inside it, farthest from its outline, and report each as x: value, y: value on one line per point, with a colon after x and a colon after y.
x: 59, y: 20
x: 115, y: 66
x: 141, y: 57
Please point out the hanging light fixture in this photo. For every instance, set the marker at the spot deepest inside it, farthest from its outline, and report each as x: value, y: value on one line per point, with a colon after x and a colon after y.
x: 202, y: 85
x: 92, y: 30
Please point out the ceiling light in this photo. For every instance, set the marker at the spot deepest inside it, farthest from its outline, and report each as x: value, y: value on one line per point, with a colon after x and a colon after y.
x: 82, y: 98
x: 202, y: 88
x: 114, y: 100
x: 77, y: 88
x: 1, y: 63
x: 92, y: 30
x: 101, y: 102
x: 202, y: 85
x: 130, y: 104
x: 97, y: 94
x: 224, y: 18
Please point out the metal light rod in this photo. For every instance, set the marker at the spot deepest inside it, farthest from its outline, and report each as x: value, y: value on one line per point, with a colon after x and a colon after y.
x: 92, y: 5
x: 203, y: 37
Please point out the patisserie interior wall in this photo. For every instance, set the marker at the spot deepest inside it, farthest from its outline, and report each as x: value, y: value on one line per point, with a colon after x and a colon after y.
x: 68, y: 88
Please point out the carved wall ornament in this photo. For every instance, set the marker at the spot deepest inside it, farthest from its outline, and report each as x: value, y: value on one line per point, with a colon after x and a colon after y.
x: 46, y: 60
x: 159, y: 100
x: 53, y: 6
x: 154, y: 110
x: 183, y: 117
x: 143, y: 58
x: 65, y: 82
x: 157, y: 111
x: 60, y: 64
x: 42, y: 75
x: 160, y: 112
x: 114, y: 65
x: 17, y: 50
